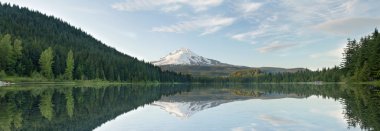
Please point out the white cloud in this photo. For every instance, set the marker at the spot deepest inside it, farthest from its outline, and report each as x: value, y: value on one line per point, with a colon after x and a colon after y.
x: 349, y: 25
x: 273, y: 18
x: 202, y: 5
x: 171, y: 8
x: 165, y: 5
x: 248, y: 7
x: 247, y: 35
x: 238, y: 129
x: 336, y: 114
x: 334, y: 53
x: 250, y: 127
x: 267, y: 33
x: 312, y: 11
x: 276, y: 121
x: 209, y: 25
x: 275, y: 46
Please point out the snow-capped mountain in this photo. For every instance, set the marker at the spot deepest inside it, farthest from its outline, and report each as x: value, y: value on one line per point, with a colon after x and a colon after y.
x: 185, y: 110
x: 187, y: 62
x: 185, y: 56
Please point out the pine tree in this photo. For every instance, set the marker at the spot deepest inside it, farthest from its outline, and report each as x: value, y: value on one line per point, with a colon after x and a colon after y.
x: 17, y: 56
x: 69, y: 66
x: 364, y: 73
x: 46, y: 62
x: 6, y: 53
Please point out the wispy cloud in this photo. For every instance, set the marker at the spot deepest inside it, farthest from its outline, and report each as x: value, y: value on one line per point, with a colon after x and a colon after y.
x: 209, y: 25
x: 238, y: 129
x: 336, y: 114
x: 248, y: 7
x: 171, y: 8
x: 247, y: 35
x: 275, y: 46
x: 276, y: 121
x: 268, y: 32
x: 299, y: 22
x: 349, y: 25
x: 315, y: 10
x: 335, y: 54
x: 165, y: 5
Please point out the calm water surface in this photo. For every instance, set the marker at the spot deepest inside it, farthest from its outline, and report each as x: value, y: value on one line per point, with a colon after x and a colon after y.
x: 261, y: 107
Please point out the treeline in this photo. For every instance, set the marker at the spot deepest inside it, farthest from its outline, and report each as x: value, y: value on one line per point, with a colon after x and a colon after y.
x: 326, y: 75
x: 33, y: 44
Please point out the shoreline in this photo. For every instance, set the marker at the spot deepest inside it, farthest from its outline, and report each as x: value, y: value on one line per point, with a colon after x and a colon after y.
x: 27, y: 80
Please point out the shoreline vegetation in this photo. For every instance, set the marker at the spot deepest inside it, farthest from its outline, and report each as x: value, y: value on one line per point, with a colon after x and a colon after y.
x: 9, y: 81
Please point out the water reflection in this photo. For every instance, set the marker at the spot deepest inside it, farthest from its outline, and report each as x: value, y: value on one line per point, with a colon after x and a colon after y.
x: 73, y: 108
x: 59, y: 107
x: 186, y: 104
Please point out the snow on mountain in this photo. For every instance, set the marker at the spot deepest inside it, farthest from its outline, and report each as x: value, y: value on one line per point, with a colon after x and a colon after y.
x: 185, y: 110
x: 184, y: 105
x: 185, y: 56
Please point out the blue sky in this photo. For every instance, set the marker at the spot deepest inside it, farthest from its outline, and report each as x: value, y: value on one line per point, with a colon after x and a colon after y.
x: 281, y: 33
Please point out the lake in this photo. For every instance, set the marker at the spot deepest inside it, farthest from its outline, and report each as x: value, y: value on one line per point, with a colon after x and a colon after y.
x: 182, y: 107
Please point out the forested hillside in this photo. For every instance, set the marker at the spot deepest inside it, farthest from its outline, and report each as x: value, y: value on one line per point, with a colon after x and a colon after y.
x: 362, y: 58
x: 35, y: 44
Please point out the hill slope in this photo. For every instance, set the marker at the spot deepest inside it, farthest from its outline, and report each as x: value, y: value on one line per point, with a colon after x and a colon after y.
x: 93, y: 59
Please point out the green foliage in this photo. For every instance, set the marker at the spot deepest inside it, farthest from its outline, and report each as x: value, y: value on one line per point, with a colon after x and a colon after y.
x: 46, y: 62
x: 10, y: 54
x: 246, y: 73
x: 46, y: 105
x: 362, y: 59
x: 17, y: 49
x: 37, y: 75
x: 325, y: 75
x: 69, y: 103
x: 6, y: 52
x: 69, y: 66
x: 2, y: 74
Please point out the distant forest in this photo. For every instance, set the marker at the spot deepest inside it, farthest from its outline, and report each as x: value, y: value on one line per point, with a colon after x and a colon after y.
x: 35, y: 45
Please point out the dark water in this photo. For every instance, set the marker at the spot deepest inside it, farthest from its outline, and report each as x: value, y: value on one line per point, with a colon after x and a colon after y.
x: 190, y: 107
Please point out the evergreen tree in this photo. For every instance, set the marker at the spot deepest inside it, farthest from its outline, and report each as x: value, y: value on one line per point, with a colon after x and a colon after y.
x: 6, y: 53
x: 69, y: 66
x: 17, y: 56
x: 46, y: 62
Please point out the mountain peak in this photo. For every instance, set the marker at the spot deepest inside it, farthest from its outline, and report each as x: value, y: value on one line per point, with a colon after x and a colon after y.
x: 185, y: 50
x: 185, y: 56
